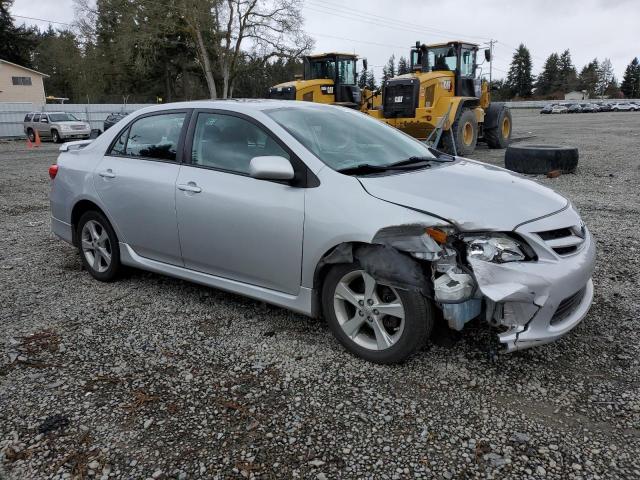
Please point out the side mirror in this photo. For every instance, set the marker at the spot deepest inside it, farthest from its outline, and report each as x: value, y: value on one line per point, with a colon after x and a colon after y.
x: 365, y: 63
x: 271, y: 168
x: 44, y: 120
x: 487, y: 55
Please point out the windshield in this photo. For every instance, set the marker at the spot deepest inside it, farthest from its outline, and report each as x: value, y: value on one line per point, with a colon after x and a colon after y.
x: 344, y: 138
x: 443, y: 58
x: 62, y: 117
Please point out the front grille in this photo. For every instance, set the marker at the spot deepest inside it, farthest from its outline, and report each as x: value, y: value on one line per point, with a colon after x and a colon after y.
x: 282, y: 93
x: 77, y: 127
x: 400, y: 98
x: 567, y: 307
x: 564, y: 241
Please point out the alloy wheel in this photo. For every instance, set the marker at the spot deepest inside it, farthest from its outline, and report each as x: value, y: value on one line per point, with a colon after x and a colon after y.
x: 370, y: 314
x: 96, y: 246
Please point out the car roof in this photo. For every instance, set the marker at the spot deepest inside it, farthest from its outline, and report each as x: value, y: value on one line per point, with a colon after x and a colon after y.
x: 241, y: 105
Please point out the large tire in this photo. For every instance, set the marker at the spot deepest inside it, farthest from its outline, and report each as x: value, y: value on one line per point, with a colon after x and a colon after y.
x: 541, y: 159
x: 405, y: 336
x: 55, y: 136
x: 465, y: 134
x: 500, y: 136
x: 31, y: 134
x: 101, y: 239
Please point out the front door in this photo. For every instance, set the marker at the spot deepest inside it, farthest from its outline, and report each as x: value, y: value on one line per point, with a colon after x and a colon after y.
x: 232, y: 225
x: 44, y: 128
x: 136, y: 182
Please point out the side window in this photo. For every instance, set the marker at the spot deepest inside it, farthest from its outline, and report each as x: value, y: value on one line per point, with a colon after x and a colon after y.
x: 44, y: 119
x: 156, y: 137
x: 36, y: 117
x: 229, y: 143
x: 27, y: 117
x: 120, y: 145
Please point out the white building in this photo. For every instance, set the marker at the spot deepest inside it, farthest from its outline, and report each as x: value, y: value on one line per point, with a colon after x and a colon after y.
x: 576, y: 95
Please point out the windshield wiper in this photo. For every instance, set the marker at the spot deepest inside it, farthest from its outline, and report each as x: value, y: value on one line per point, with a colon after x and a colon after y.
x: 441, y: 156
x: 402, y: 165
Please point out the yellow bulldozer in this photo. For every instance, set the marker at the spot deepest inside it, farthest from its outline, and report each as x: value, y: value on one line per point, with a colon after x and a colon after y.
x: 443, y: 100
x: 445, y: 92
x: 328, y: 78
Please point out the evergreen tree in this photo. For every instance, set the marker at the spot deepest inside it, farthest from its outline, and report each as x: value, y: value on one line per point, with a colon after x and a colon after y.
x: 631, y: 80
x: 389, y: 70
x: 403, y: 66
x: 613, y: 89
x: 588, y: 79
x: 362, y: 78
x: 16, y: 43
x: 371, y: 81
x: 549, y: 80
x: 520, y: 78
x: 568, y: 76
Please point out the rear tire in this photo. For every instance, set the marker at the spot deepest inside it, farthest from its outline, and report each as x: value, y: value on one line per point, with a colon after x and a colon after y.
x: 500, y: 136
x: 31, y: 135
x: 98, y: 246
x: 465, y: 134
x: 375, y: 336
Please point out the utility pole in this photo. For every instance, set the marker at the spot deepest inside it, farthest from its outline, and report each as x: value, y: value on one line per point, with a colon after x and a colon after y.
x: 491, y: 42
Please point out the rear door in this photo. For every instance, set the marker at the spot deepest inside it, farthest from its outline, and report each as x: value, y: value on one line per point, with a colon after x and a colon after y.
x: 232, y: 225
x: 136, y: 182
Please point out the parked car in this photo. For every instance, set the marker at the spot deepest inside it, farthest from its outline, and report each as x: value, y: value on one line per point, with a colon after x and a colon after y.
x: 546, y: 109
x: 589, y: 108
x: 330, y: 213
x: 58, y: 126
x: 574, y: 108
x: 559, y: 109
x: 112, y: 119
x: 604, y: 107
x: 623, y: 107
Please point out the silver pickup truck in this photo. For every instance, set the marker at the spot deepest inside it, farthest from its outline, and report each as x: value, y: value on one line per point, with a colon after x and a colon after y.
x: 57, y: 126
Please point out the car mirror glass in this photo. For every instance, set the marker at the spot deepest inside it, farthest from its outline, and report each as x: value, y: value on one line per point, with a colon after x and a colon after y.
x: 271, y: 168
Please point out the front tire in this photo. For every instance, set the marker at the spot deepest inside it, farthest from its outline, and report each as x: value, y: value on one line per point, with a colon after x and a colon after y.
x: 98, y: 245
x: 376, y: 322
x: 55, y: 136
x: 465, y: 134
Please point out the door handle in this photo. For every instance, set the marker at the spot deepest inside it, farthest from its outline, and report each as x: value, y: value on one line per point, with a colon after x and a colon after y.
x: 108, y: 173
x: 189, y: 187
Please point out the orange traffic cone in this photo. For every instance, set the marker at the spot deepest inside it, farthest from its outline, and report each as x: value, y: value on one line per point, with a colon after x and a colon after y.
x: 29, y: 143
x: 37, y: 139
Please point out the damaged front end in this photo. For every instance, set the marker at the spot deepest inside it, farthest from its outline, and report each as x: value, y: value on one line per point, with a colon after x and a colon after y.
x: 512, y: 280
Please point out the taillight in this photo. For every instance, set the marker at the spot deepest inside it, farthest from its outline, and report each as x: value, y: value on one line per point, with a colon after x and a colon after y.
x: 53, y: 171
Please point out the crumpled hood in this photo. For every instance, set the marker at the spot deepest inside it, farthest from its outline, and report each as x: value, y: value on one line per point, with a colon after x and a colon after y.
x: 469, y: 194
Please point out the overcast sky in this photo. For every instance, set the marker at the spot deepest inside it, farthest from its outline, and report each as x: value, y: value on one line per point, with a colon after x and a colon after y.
x: 378, y: 28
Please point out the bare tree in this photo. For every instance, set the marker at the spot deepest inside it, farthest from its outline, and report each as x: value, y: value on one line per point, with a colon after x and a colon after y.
x: 225, y: 30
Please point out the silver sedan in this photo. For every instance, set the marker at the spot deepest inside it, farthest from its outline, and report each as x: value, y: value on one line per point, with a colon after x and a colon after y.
x: 330, y: 213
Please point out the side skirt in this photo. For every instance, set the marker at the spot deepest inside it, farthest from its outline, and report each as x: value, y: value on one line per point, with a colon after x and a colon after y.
x: 301, y: 303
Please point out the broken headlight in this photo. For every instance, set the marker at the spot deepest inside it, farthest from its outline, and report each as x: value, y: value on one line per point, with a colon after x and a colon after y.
x: 496, y: 248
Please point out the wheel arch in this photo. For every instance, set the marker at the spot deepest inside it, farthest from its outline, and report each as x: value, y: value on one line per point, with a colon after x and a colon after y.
x: 80, y: 208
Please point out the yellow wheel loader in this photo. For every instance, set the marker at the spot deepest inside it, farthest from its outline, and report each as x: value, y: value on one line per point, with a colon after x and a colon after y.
x: 445, y: 90
x: 328, y: 78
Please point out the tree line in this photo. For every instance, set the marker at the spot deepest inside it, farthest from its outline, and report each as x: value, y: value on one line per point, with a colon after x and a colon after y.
x: 560, y: 76
x: 147, y: 51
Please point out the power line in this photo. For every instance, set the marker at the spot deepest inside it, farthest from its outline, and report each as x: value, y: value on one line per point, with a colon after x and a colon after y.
x: 42, y: 20
x: 386, y: 21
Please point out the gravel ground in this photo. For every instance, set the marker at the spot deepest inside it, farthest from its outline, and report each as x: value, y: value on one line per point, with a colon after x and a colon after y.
x: 152, y: 377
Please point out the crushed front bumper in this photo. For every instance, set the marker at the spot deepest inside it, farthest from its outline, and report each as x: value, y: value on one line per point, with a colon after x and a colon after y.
x: 540, y: 301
